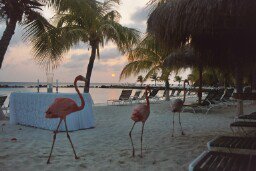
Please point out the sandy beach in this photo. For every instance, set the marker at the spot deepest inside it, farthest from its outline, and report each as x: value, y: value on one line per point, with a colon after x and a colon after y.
x: 108, y: 147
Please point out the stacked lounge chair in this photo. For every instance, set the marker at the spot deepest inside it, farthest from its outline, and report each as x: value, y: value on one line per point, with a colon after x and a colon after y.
x: 229, y: 152
x: 244, y: 121
x: 234, y: 144
x: 213, y: 160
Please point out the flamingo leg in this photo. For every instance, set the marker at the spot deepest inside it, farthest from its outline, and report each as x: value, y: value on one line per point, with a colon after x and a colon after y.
x: 53, y: 142
x: 182, y: 133
x: 141, y: 139
x: 70, y: 139
x: 130, y: 134
x: 172, y: 124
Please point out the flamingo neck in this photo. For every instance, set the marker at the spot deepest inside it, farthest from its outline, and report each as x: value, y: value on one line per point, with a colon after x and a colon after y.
x: 147, y: 100
x: 184, y: 89
x: 80, y: 96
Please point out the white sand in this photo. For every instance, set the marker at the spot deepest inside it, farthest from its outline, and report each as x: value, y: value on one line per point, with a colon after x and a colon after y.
x: 108, y: 147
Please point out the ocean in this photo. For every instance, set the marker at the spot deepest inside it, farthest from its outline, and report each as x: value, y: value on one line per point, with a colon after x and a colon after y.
x: 99, y: 95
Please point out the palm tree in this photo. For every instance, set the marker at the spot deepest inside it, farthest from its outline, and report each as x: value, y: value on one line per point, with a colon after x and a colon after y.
x: 178, y: 79
x: 18, y: 11
x: 94, y: 24
x: 154, y: 78
x: 149, y: 57
x: 140, y: 80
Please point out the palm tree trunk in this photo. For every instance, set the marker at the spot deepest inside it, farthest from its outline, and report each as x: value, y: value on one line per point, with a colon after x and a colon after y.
x: 89, y: 68
x: 167, y: 87
x: 6, y: 38
x: 254, y: 83
x: 199, y: 94
x: 239, y: 89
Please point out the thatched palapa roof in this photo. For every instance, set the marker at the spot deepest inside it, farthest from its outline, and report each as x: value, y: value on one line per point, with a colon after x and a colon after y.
x: 219, y: 29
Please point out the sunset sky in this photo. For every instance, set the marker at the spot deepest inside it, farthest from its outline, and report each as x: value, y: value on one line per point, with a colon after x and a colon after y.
x: 19, y: 64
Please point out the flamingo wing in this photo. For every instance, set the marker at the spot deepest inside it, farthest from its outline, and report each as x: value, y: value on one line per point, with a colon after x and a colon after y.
x: 140, y: 113
x: 177, y: 105
x: 61, y: 107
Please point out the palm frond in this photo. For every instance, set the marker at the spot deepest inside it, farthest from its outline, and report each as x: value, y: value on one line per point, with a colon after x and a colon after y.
x: 134, y: 68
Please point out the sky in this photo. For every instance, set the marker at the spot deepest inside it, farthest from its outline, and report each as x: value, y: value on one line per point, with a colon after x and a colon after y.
x: 19, y: 65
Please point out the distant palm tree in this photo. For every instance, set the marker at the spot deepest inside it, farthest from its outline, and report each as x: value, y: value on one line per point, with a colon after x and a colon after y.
x: 18, y: 11
x: 154, y: 78
x: 93, y: 24
x: 140, y: 80
x: 178, y: 79
x: 192, y: 78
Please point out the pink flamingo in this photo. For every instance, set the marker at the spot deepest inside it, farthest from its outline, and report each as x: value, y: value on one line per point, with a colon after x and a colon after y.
x: 140, y: 114
x: 177, y: 105
x: 62, y: 107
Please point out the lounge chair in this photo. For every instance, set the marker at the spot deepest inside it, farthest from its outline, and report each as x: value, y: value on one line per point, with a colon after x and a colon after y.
x: 244, y: 121
x: 241, y: 125
x: 245, y: 145
x: 164, y: 95
x: 153, y: 95
x: 124, y: 97
x: 212, y: 160
x: 251, y: 116
x: 136, y: 96
x: 178, y: 93
x: 172, y: 93
x: 208, y: 103
x: 227, y: 95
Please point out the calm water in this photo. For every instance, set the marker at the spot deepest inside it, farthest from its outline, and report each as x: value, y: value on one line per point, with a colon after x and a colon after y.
x: 99, y: 95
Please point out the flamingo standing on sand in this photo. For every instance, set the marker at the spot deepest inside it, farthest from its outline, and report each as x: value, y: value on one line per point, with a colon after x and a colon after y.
x: 62, y: 107
x: 140, y: 114
x: 177, y: 105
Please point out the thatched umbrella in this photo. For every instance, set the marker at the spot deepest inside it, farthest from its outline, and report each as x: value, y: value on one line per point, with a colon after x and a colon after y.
x: 222, y: 32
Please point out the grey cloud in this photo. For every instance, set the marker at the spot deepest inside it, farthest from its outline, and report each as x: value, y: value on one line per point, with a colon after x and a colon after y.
x: 73, y: 65
x: 81, y: 57
x: 111, y: 53
x: 138, y: 26
x: 81, y: 45
x: 141, y: 15
x: 104, y: 67
x: 78, y: 61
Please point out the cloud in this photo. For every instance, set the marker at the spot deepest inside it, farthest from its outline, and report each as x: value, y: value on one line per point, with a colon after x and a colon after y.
x: 139, y: 19
x: 140, y: 15
x: 73, y: 65
x: 77, y: 58
x: 110, y: 53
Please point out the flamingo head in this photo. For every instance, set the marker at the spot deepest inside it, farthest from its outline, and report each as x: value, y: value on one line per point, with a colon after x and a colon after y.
x: 81, y: 78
